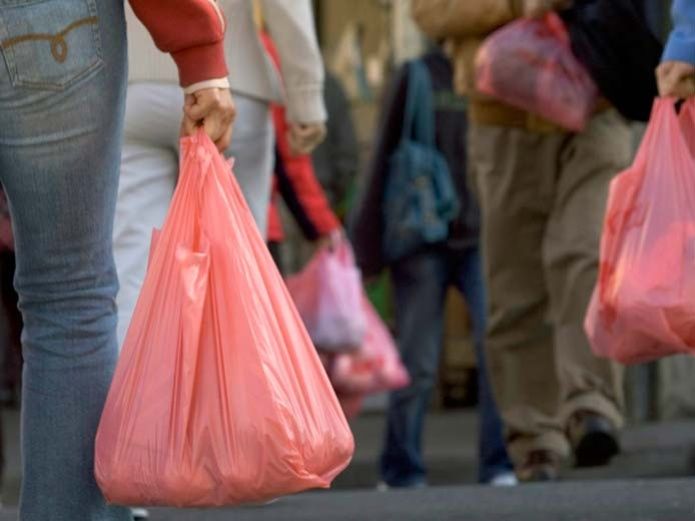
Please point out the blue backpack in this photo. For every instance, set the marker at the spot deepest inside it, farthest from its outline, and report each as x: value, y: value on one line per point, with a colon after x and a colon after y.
x: 419, y: 197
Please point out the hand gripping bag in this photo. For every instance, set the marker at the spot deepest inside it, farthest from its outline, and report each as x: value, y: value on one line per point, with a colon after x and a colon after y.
x: 327, y: 293
x: 219, y: 397
x: 529, y: 65
x: 643, y: 307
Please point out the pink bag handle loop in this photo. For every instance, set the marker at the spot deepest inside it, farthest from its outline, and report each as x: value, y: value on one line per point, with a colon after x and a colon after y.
x: 557, y: 27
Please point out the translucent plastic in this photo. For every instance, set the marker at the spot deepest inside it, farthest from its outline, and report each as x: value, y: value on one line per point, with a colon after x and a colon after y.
x: 376, y: 367
x: 219, y: 397
x: 328, y: 295
x: 643, y: 307
x: 529, y: 64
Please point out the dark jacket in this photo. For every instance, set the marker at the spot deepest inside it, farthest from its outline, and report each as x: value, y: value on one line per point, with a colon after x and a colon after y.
x: 451, y: 125
x: 336, y: 160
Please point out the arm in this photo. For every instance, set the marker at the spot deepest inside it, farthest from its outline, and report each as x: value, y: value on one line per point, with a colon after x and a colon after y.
x: 676, y: 74
x: 298, y: 185
x: 440, y: 19
x: 291, y: 25
x: 681, y: 44
x: 192, y: 31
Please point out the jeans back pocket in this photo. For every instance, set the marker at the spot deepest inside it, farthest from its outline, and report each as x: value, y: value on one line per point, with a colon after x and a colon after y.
x: 49, y: 44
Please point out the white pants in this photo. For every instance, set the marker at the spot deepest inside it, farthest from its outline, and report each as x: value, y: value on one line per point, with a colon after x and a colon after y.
x: 149, y: 172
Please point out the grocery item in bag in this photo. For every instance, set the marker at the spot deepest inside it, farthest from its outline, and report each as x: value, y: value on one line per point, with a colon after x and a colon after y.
x: 643, y: 307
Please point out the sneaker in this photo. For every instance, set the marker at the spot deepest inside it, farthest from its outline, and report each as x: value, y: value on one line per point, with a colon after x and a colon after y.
x: 139, y: 514
x: 540, y: 465
x: 505, y: 479
x: 594, y: 439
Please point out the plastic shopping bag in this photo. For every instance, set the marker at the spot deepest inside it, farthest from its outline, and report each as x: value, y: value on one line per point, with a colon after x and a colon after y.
x: 529, y: 64
x: 643, y: 307
x: 375, y: 367
x: 327, y: 294
x: 219, y: 397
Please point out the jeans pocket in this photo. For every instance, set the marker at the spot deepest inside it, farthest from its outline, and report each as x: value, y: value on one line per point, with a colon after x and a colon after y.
x: 49, y: 44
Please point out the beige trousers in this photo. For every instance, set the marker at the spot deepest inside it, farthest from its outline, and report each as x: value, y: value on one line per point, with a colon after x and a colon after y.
x: 542, y: 198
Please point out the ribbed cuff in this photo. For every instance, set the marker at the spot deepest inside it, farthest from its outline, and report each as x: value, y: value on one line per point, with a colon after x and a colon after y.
x: 680, y: 48
x: 217, y: 83
x: 306, y: 105
x: 201, y: 63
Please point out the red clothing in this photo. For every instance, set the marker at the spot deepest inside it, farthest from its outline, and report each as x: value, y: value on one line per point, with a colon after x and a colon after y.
x: 295, y: 181
x: 192, y: 31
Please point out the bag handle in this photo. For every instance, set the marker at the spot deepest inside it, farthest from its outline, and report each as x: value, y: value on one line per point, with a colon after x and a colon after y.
x: 418, y: 122
x: 558, y: 27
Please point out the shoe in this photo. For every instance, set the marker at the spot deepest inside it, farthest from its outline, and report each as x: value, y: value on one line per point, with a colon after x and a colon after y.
x: 540, y: 465
x: 505, y: 479
x: 139, y: 514
x: 594, y: 439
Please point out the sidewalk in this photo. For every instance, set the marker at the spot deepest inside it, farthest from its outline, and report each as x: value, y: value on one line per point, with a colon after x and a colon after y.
x: 615, y: 493
x: 660, y: 500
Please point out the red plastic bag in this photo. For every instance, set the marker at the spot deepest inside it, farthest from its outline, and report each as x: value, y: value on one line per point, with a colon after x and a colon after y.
x: 643, y: 307
x: 529, y: 64
x: 376, y: 367
x: 219, y: 397
x: 327, y: 293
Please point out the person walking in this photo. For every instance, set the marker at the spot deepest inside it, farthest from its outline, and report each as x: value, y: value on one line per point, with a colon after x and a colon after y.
x: 149, y: 167
x: 542, y: 192
x: 62, y: 93
x: 421, y: 280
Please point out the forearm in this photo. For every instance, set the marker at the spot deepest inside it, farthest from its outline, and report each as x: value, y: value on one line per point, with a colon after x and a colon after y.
x: 291, y: 25
x: 192, y: 31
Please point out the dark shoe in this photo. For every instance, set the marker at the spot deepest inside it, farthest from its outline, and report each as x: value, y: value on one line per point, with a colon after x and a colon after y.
x: 540, y: 465
x: 594, y: 439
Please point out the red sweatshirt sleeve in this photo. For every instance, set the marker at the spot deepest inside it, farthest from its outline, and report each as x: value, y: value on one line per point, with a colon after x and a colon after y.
x: 192, y: 31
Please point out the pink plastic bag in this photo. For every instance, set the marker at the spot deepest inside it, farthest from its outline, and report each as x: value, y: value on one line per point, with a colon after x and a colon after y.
x: 219, y: 397
x: 376, y: 367
x: 327, y: 293
x: 643, y: 307
x: 529, y: 64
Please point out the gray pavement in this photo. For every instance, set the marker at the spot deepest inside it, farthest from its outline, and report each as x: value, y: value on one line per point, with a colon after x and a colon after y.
x: 661, y: 452
x: 654, y: 500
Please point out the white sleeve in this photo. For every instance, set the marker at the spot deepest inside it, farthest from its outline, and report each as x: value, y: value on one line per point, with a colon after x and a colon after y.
x: 291, y: 25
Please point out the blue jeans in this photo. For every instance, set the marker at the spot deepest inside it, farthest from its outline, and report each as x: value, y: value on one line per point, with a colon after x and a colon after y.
x: 420, y: 283
x: 61, y: 104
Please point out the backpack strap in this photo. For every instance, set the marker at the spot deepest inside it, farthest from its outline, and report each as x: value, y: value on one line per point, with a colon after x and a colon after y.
x: 418, y: 122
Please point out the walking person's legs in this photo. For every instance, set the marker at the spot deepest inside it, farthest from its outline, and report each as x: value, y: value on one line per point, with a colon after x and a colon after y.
x: 494, y: 460
x: 591, y: 393
x: 59, y: 154
x: 149, y: 172
x: 419, y: 283
x: 515, y: 173
x: 253, y: 151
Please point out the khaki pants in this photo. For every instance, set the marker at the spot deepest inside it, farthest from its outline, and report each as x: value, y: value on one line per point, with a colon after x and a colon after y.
x: 543, y: 199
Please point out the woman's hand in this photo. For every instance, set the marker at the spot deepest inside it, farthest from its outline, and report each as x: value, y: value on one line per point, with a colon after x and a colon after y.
x: 676, y: 79
x: 213, y: 109
x: 304, y: 138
